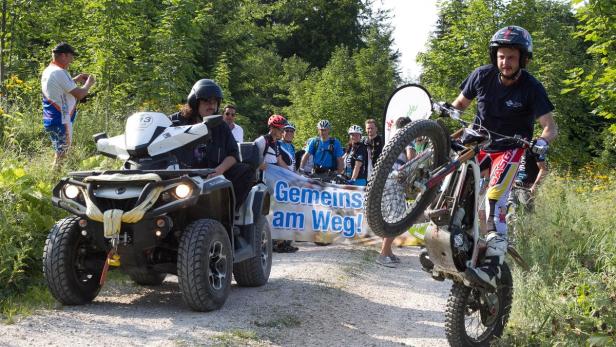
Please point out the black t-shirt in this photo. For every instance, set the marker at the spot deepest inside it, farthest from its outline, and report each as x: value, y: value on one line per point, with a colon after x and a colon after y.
x: 375, y: 147
x: 210, y: 151
x: 508, y: 110
x: 356, y: 153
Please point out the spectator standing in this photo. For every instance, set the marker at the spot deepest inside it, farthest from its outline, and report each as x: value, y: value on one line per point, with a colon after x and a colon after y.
x: 326, y: 152
x: 60, y: 96
x: 286, y: 146
x: 270, y: 147
x: 229, y: 114
x: 356, y: 158
x: 374, y: 142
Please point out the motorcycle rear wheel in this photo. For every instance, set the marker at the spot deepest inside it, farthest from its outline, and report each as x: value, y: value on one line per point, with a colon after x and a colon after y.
x: 474, y: 317
x: 393, y: 200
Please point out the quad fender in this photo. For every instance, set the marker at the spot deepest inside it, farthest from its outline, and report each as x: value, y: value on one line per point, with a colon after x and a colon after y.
x: 256, y: 205
x: 216, y: 201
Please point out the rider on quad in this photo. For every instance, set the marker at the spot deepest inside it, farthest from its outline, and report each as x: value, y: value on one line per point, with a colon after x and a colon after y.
x: 221, y: 151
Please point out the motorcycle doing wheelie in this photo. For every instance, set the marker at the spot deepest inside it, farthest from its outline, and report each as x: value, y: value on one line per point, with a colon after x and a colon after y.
x: 441, y: 181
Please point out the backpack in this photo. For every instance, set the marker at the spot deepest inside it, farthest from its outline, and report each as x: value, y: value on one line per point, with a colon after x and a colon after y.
x: 329, y: 149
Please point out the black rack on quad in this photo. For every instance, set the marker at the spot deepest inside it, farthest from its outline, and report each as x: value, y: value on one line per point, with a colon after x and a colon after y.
x: 150, y: 223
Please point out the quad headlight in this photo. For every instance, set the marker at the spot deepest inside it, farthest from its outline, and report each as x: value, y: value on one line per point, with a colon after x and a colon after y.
x: 182, y: 190
x: 71, y: 191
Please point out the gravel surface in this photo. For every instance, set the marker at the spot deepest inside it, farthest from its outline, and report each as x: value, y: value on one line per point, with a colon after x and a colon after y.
x: 320, y: 296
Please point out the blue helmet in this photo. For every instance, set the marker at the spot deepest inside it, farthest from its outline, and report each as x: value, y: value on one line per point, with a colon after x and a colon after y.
x: 512, y: 36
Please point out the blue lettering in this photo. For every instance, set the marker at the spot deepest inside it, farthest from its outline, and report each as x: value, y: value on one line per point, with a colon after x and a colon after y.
x: 326, y: 198
x: 358, y: 200
x: 320, y: 220
x: 294, y: 194
x: 281, y: 193
x: 294, y: 220
x: 278, y: 220
x: 337, y: 223
x: 349, y: 227
x: 309, y: 196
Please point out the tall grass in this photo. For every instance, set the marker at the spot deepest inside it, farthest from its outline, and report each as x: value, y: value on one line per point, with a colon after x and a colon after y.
x: 569, y: 295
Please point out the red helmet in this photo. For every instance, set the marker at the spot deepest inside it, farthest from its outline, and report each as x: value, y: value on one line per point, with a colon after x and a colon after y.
x: 277, y: 121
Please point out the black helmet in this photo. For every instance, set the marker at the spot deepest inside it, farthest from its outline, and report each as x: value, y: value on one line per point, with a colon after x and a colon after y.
x: 204, y: 89
x: 512, y: 36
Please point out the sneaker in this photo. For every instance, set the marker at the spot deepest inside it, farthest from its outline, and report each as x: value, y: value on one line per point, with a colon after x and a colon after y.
x: 385, y: 261
x: 395, y: 259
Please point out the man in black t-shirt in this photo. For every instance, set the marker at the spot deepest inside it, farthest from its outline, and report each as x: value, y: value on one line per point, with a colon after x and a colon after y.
x: 374, y: 143
x: 509, y: 100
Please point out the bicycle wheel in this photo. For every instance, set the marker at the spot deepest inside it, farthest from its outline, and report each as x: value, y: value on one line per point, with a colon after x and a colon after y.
x: 396, y: 194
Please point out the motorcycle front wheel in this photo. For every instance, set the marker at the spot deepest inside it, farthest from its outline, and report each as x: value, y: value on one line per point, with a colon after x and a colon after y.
x: 396, y: 194
x: 475, y: 317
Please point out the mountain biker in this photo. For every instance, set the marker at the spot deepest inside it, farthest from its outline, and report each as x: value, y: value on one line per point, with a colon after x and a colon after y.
x: 356, y: 158
x: 268, y: 145
x: 286, y: 146
x: 220, y: 151
x: 509, y: 100
x: 325, y: 151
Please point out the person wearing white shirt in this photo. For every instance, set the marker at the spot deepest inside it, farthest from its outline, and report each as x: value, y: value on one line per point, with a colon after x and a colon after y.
x: 60, y: 96
x: 229, y: 118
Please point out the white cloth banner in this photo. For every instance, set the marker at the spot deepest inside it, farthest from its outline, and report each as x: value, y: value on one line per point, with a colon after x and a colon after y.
x: 304, y: 209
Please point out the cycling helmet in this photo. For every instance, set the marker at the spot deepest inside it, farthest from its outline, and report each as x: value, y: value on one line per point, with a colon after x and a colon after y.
x: 289, y: 126
x: 512, y: 36
x: 277, y: 121
x: 355, y: 129
x: 204, y: 89
x: 323, y: 124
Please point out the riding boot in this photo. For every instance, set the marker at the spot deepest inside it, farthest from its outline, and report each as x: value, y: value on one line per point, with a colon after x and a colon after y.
x: 486, y: 274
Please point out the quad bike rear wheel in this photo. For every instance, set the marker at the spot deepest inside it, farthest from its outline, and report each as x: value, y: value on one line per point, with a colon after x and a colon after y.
x: 255, y: 271
x: 71, y: 265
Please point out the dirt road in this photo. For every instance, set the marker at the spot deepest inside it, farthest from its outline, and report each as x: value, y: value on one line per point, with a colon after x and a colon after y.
x: 319, y: 296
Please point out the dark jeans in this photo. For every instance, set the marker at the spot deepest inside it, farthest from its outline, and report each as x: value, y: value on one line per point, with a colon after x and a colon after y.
x: 243, y: 178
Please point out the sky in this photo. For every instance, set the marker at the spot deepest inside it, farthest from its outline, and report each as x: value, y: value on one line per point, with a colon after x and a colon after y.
x: 412, y: 21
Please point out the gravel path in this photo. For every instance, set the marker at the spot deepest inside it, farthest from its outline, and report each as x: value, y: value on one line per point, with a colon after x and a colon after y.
x: 319, y: 296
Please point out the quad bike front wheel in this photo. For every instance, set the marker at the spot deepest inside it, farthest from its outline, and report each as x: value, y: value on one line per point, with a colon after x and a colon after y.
x: 71, y: 265
x: 205, y: 265
x: 475, y: 317
x: 255, y: 271
x: 396, y: 194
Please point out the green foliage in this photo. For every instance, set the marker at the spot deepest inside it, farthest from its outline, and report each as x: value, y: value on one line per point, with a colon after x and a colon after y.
x: 569, y: 296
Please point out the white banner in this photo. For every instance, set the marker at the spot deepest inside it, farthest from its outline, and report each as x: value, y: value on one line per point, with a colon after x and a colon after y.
x: 304, y: 209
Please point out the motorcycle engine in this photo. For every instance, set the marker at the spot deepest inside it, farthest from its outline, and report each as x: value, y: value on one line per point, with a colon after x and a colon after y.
x: 461, y: 247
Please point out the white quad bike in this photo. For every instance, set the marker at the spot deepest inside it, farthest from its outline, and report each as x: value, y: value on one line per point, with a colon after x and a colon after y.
x: 151, y: 218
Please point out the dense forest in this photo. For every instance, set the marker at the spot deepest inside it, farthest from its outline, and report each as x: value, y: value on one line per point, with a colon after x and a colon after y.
x: 314, y: 59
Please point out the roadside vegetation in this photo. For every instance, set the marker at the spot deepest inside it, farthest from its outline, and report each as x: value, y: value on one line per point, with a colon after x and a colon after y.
x: 147, y: 54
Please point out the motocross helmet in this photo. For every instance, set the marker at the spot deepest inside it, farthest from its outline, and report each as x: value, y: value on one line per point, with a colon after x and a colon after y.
x: 277, y: 121
x: 355, y: 129
x: 204, y: 89
x: 323, y: 124
x: 515, y: 37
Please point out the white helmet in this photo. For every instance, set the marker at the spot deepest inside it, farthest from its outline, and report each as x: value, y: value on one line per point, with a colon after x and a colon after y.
x: 323, y: 124
x: 355, y: 129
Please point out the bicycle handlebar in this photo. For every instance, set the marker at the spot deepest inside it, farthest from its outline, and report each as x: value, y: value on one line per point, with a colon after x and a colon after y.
x: 447, y: 110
